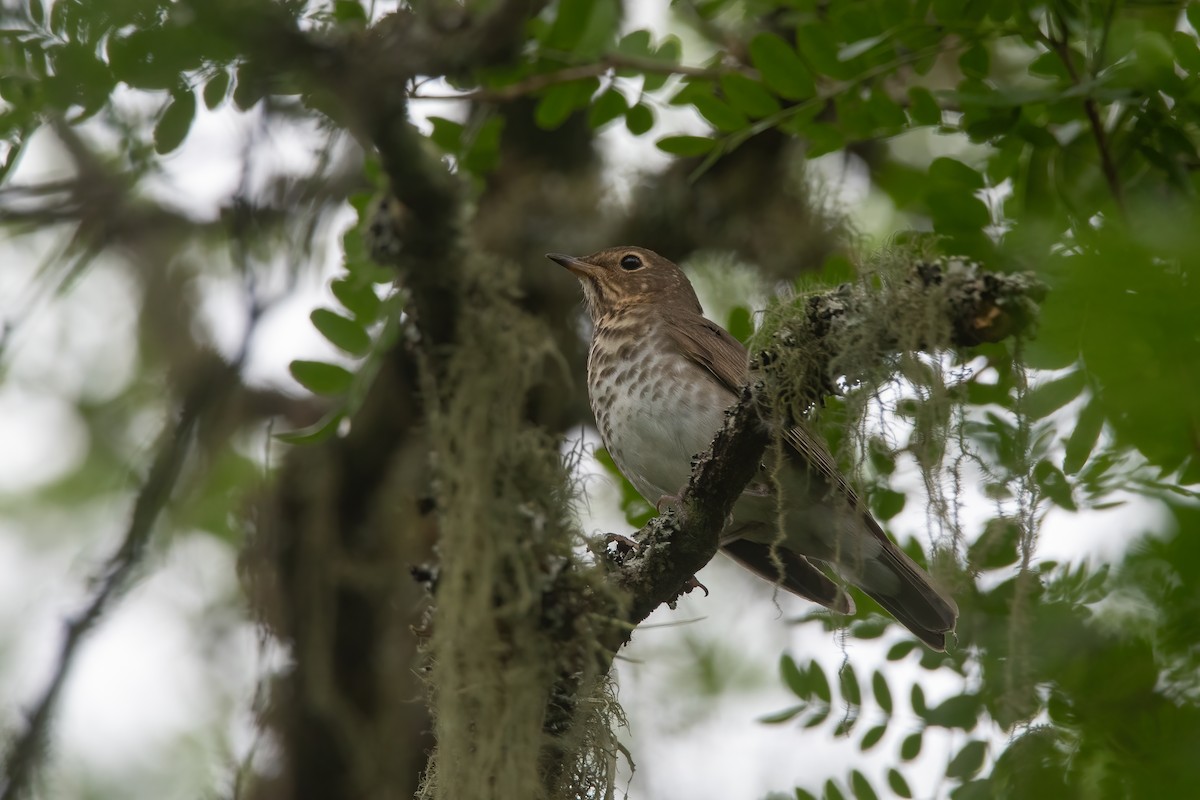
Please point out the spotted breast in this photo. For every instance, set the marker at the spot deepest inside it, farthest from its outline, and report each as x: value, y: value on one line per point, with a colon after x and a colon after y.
x: 655, y: 411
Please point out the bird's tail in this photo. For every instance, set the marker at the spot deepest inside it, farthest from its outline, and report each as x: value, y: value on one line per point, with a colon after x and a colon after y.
x: 892, y: 579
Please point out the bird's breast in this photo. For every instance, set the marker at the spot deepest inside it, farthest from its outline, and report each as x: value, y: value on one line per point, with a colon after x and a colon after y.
x: 655, y: 408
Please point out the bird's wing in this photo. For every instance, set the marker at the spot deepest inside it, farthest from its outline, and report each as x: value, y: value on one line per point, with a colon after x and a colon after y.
x: 909, y: 594
x: 710, y: 346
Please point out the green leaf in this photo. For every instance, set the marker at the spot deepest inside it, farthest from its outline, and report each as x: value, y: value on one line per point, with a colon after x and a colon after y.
x: 1054, y: 484
x: 832, y: 792
x: 249, y: 88
x: 341, y: 332
x: 898, y: 784
x: 569, y: 24
x: 358, y: 298
x: 803, y: 795
x: 910, y: 748
x: 780, y: 67
x: 349, y: 11
x: 216, y: 89
x: 959, y: 711
x: 748, y: 96
x: 321, y: 378
x: 820, y: 685
x: 636, y: 43
x: 601, y: 27
x: 968, y: 761
x: 795, y: 678
x: 957, y: 211
x: 560, y: 100
x: 846, y: 724
x: 1083, y: 439
x: 952, y: 172
x: 870, y: 628
x: 821, y: 52
x: 446, y: 134
x: 723, y: 116
x: 607, y: 107
x: 780, y: 717
x: 740, y: 324
x: 886, y: 503
x: 861, y: 787
x: 823, y: 138
x: 79, y: 78
x: 1154, y: 58
x: 997, y: 547
x: 176, y: 120
x: 917, y: 700
x: 687, y: 146
x: 922, y: 108
x: 639, y: 119
x: 851, y: 692
x: 669, y: 51
x: 1046, y: 398
x: 881, y: 455
x: 901, y: 649
x: 887, y: 116
x: 872, y: 737
x: 1049, y: 65
x: 1187, y: 51
x: 975, y: 61
x: 883, y: 695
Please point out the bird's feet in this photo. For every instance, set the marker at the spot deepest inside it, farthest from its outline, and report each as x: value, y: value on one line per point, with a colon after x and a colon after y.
x: 624, y: 545
x: 688, y: 587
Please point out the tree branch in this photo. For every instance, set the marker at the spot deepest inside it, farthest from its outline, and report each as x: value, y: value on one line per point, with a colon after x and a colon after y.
x: 602, y: 66
x: 1107, y: 165
x: 25, y: 751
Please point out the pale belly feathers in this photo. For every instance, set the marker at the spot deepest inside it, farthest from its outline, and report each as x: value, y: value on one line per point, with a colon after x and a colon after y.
x: 654, y: 414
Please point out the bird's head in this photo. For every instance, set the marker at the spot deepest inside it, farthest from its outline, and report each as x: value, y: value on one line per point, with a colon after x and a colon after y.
x: 621, y: 277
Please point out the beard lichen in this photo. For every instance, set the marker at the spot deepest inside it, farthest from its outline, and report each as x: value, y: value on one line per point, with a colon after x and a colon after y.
x: 871, y: 362
x: 521, y: 702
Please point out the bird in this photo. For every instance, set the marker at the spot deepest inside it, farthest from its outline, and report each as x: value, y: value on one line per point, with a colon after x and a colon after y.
x: 660, y: 377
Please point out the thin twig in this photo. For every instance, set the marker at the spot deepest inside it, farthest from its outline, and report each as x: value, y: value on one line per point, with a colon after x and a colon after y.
x: 26, y: 749
x: 1107, y: 165
x: 608, y: 63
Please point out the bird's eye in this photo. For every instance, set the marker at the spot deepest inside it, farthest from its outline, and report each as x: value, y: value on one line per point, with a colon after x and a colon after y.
x: 630, y: 262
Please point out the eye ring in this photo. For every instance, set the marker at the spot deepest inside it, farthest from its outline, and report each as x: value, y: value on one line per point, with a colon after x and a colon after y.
x: 631, y: 262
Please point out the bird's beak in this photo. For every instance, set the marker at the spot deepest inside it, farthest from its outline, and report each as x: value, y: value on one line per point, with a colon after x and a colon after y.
x: 578, y: 266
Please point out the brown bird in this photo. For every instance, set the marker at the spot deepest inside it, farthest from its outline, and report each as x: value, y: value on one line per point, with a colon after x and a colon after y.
x: 660, y: 377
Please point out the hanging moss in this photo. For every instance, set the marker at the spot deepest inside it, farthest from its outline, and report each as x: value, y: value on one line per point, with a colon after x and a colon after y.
x: 824, y: 357
x: 523, y: 707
